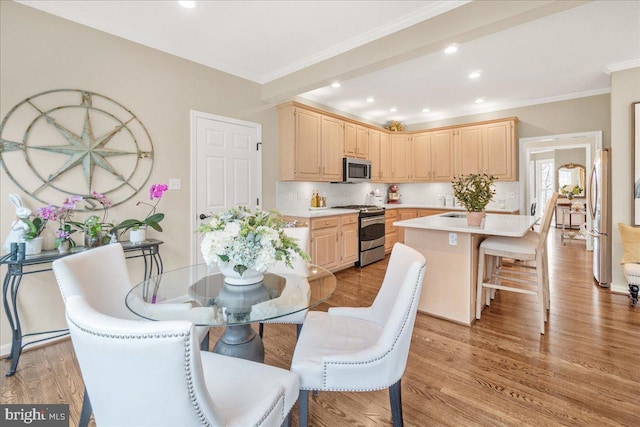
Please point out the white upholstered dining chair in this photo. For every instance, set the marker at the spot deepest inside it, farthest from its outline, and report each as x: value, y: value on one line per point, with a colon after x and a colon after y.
x: 363, y: 348
x: 101, y: 277
x: 153, y: 374
x: 495, y: 268
x: 299, y: 267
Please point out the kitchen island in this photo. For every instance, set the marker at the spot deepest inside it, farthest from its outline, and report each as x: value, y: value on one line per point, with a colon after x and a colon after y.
x: 451, y: 249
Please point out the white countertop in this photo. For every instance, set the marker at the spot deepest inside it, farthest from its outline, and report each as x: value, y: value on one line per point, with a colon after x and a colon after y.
x: 448, y: 208
x: 318, y: 213
x: 493, y: 224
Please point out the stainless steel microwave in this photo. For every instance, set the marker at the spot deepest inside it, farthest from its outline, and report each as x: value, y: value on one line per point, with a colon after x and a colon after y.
x: 356, y: 170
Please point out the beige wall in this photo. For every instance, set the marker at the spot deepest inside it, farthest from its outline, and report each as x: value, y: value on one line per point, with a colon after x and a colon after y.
x: 625, y: 90
x: 41, y: 52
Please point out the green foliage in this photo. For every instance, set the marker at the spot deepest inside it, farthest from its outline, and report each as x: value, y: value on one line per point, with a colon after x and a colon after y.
x: 474, y: 191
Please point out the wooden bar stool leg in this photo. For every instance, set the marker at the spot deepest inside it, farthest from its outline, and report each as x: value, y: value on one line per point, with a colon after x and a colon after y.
x: 479, y: 287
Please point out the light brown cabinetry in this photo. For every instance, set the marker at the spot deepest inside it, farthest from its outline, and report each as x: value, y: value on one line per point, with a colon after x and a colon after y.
x: 350, y: 140
x: 310, y: 145
x: 334, y: 241
x: 380, y: 156
x: 429, y: 212
x: 403, y: 214
x: 489, y: 148
x: 390, y: 231
x: 362, y: 142
x: 400, y: 157
x: 313, y: 142
x: 332, y: 136
x: 432, y: 156
x: 349, y: 239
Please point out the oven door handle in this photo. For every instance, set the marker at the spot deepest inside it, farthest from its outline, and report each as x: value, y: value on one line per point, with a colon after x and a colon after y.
x: 374, y: 219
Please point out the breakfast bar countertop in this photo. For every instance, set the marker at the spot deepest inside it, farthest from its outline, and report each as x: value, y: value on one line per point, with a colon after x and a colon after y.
x: 455, y: 221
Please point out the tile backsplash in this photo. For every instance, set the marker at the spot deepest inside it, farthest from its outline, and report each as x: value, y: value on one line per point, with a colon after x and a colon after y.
x: 297, y: 195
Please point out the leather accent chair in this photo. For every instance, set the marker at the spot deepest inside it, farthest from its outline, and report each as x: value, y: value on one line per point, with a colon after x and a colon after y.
x: 146, y: 373
x: 101, y: 276
x: 363, y: 348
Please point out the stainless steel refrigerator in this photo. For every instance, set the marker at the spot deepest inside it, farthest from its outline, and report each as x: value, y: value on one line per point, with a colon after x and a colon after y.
x: 598, y: 205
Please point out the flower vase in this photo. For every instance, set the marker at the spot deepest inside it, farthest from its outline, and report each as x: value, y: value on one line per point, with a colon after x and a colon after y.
x: 474, y: 219
x: 64, y: 247
x: 232, y: 277
x: 92, y: 241
x: 33, y: 246
x: 138, y: 236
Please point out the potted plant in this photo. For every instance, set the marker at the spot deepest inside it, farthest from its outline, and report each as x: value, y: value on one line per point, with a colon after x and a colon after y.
x: 245, y: 243
x: 32, y: 235
x: 474, y: 192
x: 92, y: 226
x: 138, y: 227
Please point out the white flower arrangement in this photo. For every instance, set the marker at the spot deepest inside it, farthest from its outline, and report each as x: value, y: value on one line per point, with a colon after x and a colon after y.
x: 248, y: 240
x: 570, y: 191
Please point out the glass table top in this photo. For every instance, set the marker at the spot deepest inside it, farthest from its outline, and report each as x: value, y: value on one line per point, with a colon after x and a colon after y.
x: 199, y: 294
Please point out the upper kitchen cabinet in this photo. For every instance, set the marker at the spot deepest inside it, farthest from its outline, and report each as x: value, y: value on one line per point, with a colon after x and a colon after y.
x: 356, y: 141
x: 489, y: 148
x: 380, y: 156
x: 331, y: 137
x: 432, y: 157
x: 350, y: 140
x: 400, y: 157
x: 362, y: 142
x: 311, y: 145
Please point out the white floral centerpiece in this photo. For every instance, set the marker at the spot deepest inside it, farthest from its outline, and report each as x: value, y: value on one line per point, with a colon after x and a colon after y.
x: 570, y: 191
x: 245, y: 243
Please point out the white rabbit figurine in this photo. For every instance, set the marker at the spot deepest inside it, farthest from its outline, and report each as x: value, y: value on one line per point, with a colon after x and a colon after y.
x: 18, y: 227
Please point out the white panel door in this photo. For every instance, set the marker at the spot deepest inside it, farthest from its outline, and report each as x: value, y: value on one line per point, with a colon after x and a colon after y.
x: 227, y: 166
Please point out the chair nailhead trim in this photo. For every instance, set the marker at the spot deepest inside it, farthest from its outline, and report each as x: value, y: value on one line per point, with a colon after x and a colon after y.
x: 187, y: 365
x: 279, y: 397
x: 367, y: 362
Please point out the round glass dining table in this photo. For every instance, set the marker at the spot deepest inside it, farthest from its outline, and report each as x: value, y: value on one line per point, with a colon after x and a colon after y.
x: 199, y: 294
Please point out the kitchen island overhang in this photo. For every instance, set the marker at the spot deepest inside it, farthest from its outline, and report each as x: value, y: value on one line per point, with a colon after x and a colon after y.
x: 450, y: 247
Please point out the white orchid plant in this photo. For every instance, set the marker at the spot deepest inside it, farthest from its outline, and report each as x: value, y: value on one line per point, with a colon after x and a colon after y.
x: 248, y: 240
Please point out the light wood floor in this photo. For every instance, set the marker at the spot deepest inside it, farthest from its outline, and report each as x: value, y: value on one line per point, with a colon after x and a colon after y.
x: 585, y: 371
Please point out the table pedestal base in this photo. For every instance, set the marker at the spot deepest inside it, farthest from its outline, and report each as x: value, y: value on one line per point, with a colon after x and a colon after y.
x: 241, y: 341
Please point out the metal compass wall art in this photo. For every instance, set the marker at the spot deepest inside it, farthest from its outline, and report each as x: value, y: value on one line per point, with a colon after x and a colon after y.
x: 67, y: 141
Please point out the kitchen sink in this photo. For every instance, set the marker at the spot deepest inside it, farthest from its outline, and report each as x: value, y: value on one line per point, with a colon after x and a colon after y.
x: 454, y: 215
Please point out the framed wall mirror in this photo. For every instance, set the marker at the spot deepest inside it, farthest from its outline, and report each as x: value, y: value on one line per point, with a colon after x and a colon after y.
x: 572, y: 174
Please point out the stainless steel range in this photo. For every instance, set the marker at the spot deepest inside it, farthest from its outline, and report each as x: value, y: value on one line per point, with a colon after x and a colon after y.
x: 371, y: 233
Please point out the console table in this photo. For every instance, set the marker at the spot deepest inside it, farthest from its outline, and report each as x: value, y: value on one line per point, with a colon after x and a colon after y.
x: 572, y: 235
x: 19, y: 266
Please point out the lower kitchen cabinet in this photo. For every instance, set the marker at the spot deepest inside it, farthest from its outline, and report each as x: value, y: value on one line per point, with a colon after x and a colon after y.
x: 334, y: 241
x: 403, y: 214
x: 350, y: 240
x: 390, y: 231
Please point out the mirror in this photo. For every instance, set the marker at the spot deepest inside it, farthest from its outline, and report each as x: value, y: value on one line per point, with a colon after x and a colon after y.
x: 572, y: 174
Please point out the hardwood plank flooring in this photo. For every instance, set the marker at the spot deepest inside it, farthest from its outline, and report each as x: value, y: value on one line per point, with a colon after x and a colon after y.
x: 585, y: 371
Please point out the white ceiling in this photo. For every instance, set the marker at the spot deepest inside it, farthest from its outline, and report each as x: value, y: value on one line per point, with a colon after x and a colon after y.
x: 562, y: 56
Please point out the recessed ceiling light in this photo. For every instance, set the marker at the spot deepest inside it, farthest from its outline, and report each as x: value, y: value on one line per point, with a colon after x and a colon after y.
x: 393, y: 109
x: 474, y: 75
x: 335, y: 84
x: 425, y: 110
x: 479, y: 100
x: 187, y: 4
x: 370, y: 99
x: 451, y: 49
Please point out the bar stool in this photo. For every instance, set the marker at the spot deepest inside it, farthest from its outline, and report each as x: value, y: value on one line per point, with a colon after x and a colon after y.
x: 527, y: 279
